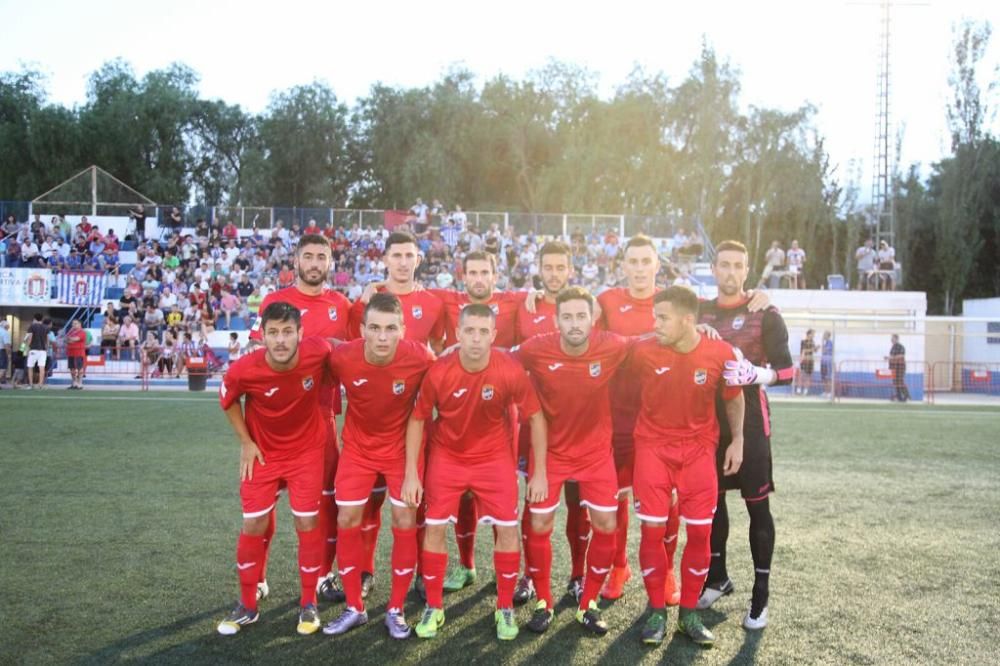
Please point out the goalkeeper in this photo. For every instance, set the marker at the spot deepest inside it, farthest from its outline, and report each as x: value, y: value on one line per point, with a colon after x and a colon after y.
x: 763, y: 339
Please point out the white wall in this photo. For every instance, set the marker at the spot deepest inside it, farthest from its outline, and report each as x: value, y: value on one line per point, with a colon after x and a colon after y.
x: 975, y: 345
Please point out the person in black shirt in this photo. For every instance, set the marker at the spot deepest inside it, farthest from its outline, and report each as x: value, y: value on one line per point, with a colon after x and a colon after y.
x: 38, y: 347
x: 763, y: 338
x: 897, y: 363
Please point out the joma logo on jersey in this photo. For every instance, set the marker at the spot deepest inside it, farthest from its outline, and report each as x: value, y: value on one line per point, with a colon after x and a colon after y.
x: 398, y: 386
x: 418, y: 312
x: 332, y: 312
x: 495, y: 308
x: 307, y: 383
x: 488, y: 392
x: 738, y: 323
x: 595, y: 369
x: 700, y: 376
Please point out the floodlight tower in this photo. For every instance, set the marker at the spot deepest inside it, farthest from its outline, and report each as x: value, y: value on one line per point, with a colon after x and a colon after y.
x: 883, y: 206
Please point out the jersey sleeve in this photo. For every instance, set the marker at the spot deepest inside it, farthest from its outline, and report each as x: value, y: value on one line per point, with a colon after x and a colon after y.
x: 775, y: 338
x: 354, y: 318
x: 426, y: 398
x: 602, y: 322
x: 730, y: 392
x: 523, y: 392
x: 230, y: 389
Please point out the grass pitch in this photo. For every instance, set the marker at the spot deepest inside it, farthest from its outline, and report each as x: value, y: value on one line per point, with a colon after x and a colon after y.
x: 120, y: 516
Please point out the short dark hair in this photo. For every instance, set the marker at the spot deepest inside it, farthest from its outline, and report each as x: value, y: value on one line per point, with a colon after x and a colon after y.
x: 555, y: 247
x: 730, y: 246
x: 38, y: 316
x: 477, y: 310
x: 575, y: 294
x: 234, y: 335
x: 281, y: 311
x: 680, y: 297
x: 479, y: 255
x: 383, y: 302
x: 399, y: 238
x: 639, y: 240
x: 313, y: 239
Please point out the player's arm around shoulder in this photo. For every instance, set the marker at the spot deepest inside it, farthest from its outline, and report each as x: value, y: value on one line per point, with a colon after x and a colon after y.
x: 779, y: 355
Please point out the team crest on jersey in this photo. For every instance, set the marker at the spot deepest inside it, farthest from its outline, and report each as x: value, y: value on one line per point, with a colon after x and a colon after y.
x: 307, y: 383
x: 398, y: 386
x: 738, y: 323
x: 418, y: 312
x: 595, y: 369
x: 333, y: 314
x: 496, y: 308
x: 700, y: 376
x: 488, y: 392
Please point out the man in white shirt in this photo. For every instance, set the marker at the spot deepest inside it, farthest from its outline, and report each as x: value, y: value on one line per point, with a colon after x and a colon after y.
x: 29, y: 253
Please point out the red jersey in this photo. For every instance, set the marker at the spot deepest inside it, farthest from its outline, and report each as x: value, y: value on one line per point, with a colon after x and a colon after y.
x: 678, y: 391
x: 76, y: 343
x: 325, y: 316
x: 473, y: 408
x: 573, y: 391
x: 422, y: 315
x: 543, y: 321
x: 379, y: 398
x: 505, y: 305
x: 282, y: 408
x: 625, y: 315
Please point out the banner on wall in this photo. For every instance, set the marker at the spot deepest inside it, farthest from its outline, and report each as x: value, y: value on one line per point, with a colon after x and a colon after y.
x: 25, y: 286
x: 82, y: 287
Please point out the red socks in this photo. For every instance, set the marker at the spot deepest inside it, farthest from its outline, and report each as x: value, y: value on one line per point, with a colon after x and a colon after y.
x: 328, y: 527
x: 352, y: 554
x: 670, y: 538
x: 371, y: 523
x: 404, y: 561
x: 599, y: 561
x: 434, y: 566
x: 653, y: 561
x: 577, y: 534
x: 250, y: 552
x: 506, y: 566
x: 465, y: 531
x: 694, y: 562
x: 621, y: 552
x: 310, y: 563
x: 538, y: 555
x: 272, y: 523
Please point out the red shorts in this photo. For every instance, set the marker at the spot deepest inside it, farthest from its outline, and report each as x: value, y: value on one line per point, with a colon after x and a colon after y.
x: 688, y: 467
x: 492, y: 482
x: 358, y: 476
x: 330, y: 457
x: 596, y: 480
x: 624, y: 451
x: 303, y: 476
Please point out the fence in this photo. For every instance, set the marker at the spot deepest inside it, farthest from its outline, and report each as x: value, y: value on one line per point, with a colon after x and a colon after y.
x: 948, y: 359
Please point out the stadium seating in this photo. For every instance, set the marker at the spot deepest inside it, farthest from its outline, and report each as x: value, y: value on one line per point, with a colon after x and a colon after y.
x: 836, y: 281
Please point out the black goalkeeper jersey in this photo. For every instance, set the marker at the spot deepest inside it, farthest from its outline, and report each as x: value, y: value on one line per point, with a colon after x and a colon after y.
x: 763, y: 339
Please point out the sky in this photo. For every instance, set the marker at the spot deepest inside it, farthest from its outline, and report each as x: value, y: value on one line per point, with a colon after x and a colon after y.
x: 788, y: 53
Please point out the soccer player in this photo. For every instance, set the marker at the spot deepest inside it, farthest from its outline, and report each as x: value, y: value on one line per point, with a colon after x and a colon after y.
x: 470, y: 450
x: 480, y: 270
x: 628, y: 311
x: 571, y: 371
x: 424, y: 323
x: 679, y: 373
x: 324, y: 313
x: 763, y: 339
x: 282, y: 437
x: 555, y: 263
x: 381, y: 374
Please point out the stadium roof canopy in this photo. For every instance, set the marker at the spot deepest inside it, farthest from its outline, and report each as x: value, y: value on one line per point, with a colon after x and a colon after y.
x: 92, y: 188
